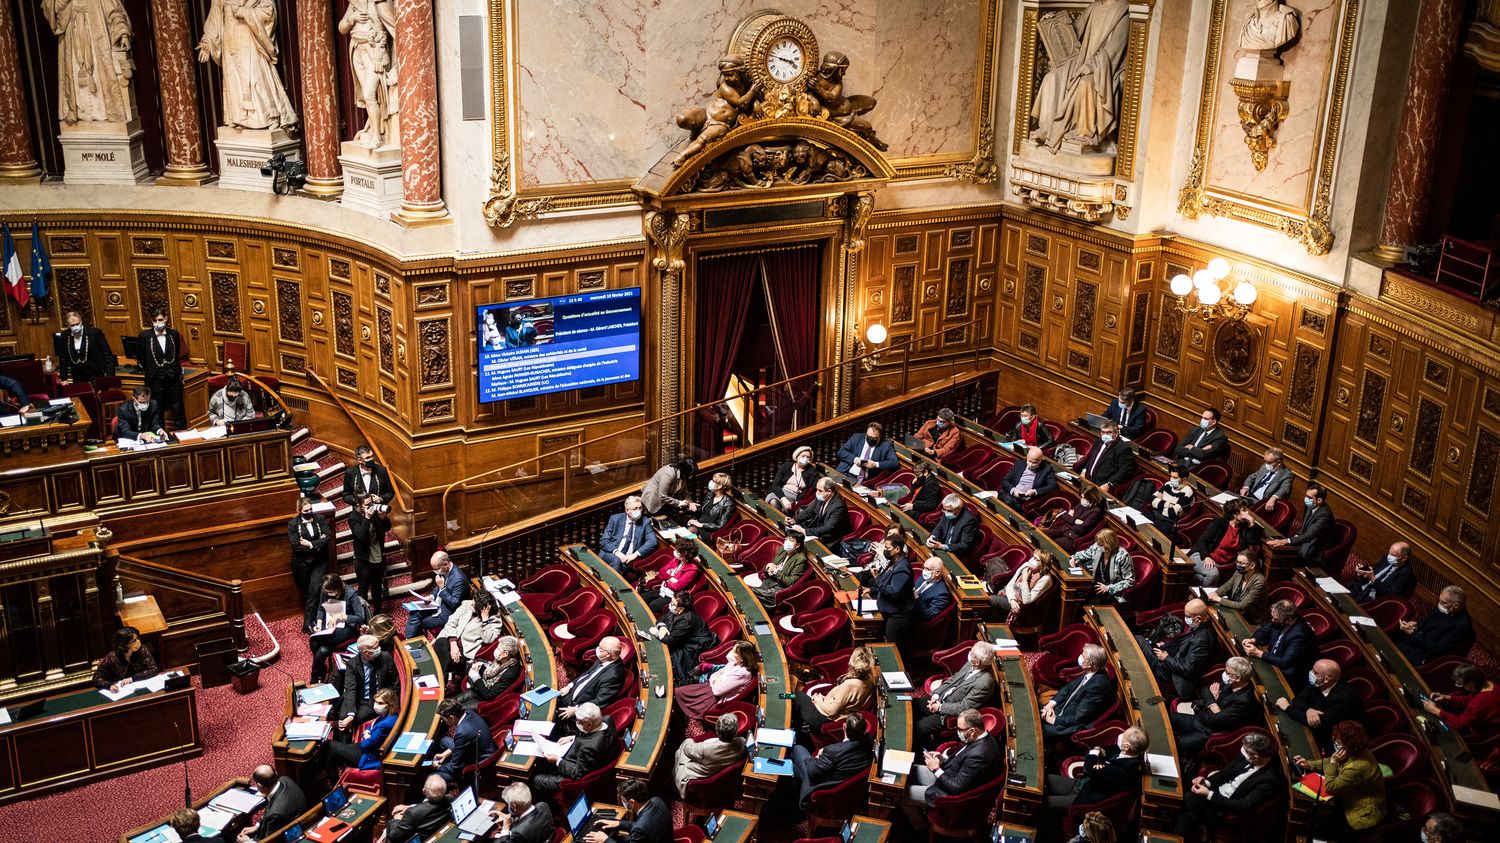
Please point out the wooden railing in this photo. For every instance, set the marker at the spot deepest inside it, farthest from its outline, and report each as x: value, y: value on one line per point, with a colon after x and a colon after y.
x: 197, y: 607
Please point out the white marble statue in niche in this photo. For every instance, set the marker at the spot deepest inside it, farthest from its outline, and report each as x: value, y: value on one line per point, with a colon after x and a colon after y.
x: 1270, y: 26
x: 241, y: 36
x: 371, y: 27
x: 1079, y: 97
x: 94, y: 64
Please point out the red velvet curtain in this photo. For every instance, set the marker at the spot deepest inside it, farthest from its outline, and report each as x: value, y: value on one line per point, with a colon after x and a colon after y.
x: 722, y: 298
x: 792, y: 292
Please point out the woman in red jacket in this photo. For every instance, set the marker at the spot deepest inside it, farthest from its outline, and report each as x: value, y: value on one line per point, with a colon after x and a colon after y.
x: 680, y: 574
x: 1474, y: 709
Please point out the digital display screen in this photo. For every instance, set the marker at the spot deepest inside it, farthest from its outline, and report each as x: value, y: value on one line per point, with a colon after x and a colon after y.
x: 560, y: 343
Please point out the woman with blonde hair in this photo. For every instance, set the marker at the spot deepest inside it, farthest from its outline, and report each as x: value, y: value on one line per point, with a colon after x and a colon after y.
x: 1110, y: 565
x: 717, y: 508
x: 1096, y: 828
x: 850, y: 693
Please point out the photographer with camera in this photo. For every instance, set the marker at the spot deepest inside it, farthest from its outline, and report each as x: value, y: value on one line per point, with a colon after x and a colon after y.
x: 368, y: 489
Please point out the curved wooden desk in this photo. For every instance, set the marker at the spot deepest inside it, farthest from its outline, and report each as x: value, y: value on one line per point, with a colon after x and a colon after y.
x: 402, y: 771
x: 541, y: 668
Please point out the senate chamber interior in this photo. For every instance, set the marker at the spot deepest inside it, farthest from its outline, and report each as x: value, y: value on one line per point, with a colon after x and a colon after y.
x: 831, y: 421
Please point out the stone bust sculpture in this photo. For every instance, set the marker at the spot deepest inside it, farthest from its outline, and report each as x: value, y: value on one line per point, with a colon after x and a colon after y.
x: 94, y: 63
x: 1270, y: 26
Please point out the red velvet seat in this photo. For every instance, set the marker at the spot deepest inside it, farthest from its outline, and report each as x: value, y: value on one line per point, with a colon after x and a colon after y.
x: 1005, y: 420
x: 707, y: 795
x: 833, y: 806
x: 1214, y: 473
x: 1346, y: 653
x: 1403, y: 754
x: 1323, y: 627
x: 1143, y: 592
x: 726, y: 629
x: 810, y: 596
x: 743, y: 710
x: 600, y: 786
x: 575, y: 607
x: 502, y: 710
x: 1389, y: 612
x: 1382, y: 718
x: 480, y: 773
x: 1438, y: 673
x: 1344, y: 534
x: 757, y: 555
x: 621, y: 714
x: 858, y: 520
x: 1287, y: 591
x: 1222, y: 746
x: 686, y: 834
x: 965, y: 814
x: 1279, y: 515
x: 833, y: 731
x: 369, y: 782
x: 971, y: 460
x: 1158, y: 442
x: 822, y: 630
x: 931, y: 635
x: 1120, y: 809
x: 587, y: 634
x: 832, y: 665
x: 1409, y: 804
x: 709, y: 604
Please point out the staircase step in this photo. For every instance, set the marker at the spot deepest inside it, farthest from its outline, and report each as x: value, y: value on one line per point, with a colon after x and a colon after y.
x: 332, y: 469
x: 345, y: 549
x: 316, y: 452
x: 300, y: 434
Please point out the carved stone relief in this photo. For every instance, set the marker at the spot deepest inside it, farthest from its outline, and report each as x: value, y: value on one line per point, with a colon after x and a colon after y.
x: 437, y: 369
x: 1424, y: 442
x: 1090, y: 260
x: 903, y: 292
x: 1414, y: 500
x: 1236, y: 352
x: 432, y: 295
x: 1295, y: 436
x: 1371, y: 407
x: 440, y: 409
x: 289, y: 309
x: 1032, y: 293
x: 1140, y: 312
x: 1436, y: 374
x: 1304, y: 388
x: 1029, y: 342
x: 387, y: 340
x: 147, y: 247
x: 388, y: 396
x: 906, y: 244
x: 284, y: 258
x: 222, y: 250
x: 1380, y: 347
x: 294, y: 363
x: 958, y: 287
x: 1361, y: 466
x: 1085, y: 299
x: 347, y: 377
x: 225, y: 287
x: 382, y: 284
x: 593, y: 279
x: 73, y: 290
x: 1164, y: 378
x: 1314, y: 321
x: 1078, y: 361
x: 343, y: 323
x: 1036, y: 244
x: 66, y: 244
x: 1169, y: 332
x: 1481, y: 489
x: 1470, y: 537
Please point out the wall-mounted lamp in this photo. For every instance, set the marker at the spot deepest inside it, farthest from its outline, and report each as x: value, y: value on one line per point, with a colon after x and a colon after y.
x: 1210, y: 299
x: 876, y: 336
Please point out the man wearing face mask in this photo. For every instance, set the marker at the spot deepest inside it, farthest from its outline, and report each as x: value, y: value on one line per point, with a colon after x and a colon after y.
x: 83, y: 354
x: 1030, y: 430
x: 1127, y: 412
x: 1442, y: 828
x: 957, y: 531
x: 977, y: 761
x: 1171, y: 501
x: 161, y: 363
x: 627, y: 537
x: 939, y: 437
x: 308, y: 535
x: 1446, y: 631
x: 1081, y: 701
x: 973, y: 686
x: 1246, y: 783
x: 1178, y: 662
x: 450, y: 588
x: 784, y: 571
x: 926, y: 490
x: 1225, y: 705
x: 867, y: 454
x: 363, y: 679
x: 825, y: 518
x: 362, y: 481
x: 140, y: 418
x: 1324, y: 703
x: 589, y: 749
x: 1028, y: 480
x: 468, y: 741
x: 1206, y: 442
x: 1269, y: 483
x: 600, y: 684
x: 1110, y: 462
x: 931, y: 592
x: 1106, y: 772
x: 1315, y: 534
x: 1285, y: 641
x: 1392, y: 576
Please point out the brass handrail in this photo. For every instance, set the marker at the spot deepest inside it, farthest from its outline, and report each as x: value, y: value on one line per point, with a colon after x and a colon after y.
x: 408, y: 504
x: 906, y: 360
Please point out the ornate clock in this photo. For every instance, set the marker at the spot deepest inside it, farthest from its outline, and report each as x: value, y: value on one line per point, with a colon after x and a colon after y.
x: 780, y: 51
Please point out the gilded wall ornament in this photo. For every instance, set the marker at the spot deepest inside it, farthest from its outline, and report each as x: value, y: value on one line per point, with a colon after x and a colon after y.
x: 1262, y: 107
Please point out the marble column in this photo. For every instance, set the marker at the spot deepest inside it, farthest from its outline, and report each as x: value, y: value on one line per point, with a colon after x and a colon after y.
x: 1434, y: 44
x: 320, y: 117
x: 17, y: 161
x: 416, y: 55
x: 177, y: 79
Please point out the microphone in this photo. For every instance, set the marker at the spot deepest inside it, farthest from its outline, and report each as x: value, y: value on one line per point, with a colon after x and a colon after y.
x: 187, y: 787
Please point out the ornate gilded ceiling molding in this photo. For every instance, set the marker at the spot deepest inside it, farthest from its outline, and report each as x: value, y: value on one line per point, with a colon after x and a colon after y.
x: 982, y: 168
x: 1311, y: 225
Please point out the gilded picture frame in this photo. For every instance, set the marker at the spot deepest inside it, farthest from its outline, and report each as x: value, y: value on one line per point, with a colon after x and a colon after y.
x: 508, y: 201
x: 1307, y: 221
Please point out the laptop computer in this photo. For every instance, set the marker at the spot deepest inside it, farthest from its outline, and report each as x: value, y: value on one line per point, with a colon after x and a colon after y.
x: 711, y: 827
x: 847, y: 832
x: 293, y: 834
x: 470, y: 814
x: 1095, y: 420
x: 580, y: 816
x: 335, y: 801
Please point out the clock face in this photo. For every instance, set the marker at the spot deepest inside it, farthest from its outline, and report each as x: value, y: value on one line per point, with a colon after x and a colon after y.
x: 784, y: 59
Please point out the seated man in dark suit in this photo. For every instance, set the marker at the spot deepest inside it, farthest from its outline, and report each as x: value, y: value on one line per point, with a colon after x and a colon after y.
x: 1225, y: 705
x: 593, y: 748
x: 1249, y: 781
x: 973, y: 686
x: 1205, y: 442
x: 468, y: 740
x: 422, y: 819
x: 1315, y: 534
x: 13, y: 397
x: 1285, y: 641
x: 186, y: 823
x: 867, y: 454
x: 521, y: 820
x: 1028, y: 479
x: 1392, y: 576
x: 1324, y: 703
x: 600, y: 684
x: 1081, y: 701
x: 140, y: 418
x: 1106, y: 772
x: 1446, y: 631
x: 1179, y: 662
x: 977, y: 761
x: 285, y: 802
x: 1128, y: 413
x: 1110, y: 462
x: 450, y: 588
x: 374, y: 670
x: 652, y: 823
x: 628, y: 536
x: 826, y: 517
x: 931, y: 590
x: 835, y: 763
x: 1270, y: 482
x: 957, y: 531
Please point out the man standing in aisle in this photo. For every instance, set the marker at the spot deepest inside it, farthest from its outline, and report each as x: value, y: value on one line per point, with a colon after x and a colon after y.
x: 368, y: 489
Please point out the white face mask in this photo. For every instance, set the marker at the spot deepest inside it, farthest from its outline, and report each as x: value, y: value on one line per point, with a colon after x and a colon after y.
x: 634, y: 515
x: 933, y: 575
x: 950, y: 515
x: 1083, y: 663
x: 161, y: 326
x: 713, y: 486
x: 1175, y: 484
x: 143, y: 407
x: 381, y: 709
x: 788, y: 545
x: 600, y: 654
x: 1204, y: 423
x: 1312, y: 679
x: 1337, y: 747
x: 1390, y: 559
x: 1247, y: 756
x: 1026, y: 420
x: 1308, y: 501
x: 804, y: 462
x: 77, y: 329
x: 1106, y: 437
x: 1224, y: 677
x: 1447, y: 610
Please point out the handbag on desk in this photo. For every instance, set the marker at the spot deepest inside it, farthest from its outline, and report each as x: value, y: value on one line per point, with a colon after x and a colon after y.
x: 729, y: 546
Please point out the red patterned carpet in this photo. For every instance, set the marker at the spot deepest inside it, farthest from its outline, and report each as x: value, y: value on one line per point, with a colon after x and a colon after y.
x: 236, y: 732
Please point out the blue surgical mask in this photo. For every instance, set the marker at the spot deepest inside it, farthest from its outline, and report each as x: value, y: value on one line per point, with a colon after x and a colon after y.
x: 1224, y: 678
x: 950, y: 515
x: 1390, y: 559
x: 1175, y: 484
x: 788, y: 545
x: 939, y: 424
x: 1312, y: 678
x: 1308, y: 502
x: 1424, y: 836
x: 1204, y: 423
x: 1106, y: 437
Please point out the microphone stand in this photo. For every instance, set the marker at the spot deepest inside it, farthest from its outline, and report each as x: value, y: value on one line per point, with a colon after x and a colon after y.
x: 187, y: 787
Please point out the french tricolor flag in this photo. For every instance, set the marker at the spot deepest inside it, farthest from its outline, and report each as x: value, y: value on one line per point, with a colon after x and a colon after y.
x: 13, y: 277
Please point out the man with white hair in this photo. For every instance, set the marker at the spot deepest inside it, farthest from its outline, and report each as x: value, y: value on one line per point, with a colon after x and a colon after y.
x: 628, y: 536
x: 973, y: 686
x: 957, y: 531
x: 703, y: 758
x: 1225, y: 705
x: 588, y: 751
x: 521, y: 820
x: 1446, y: 631
x: 422, y: 819
x: 1081, y: 701
x: 931, y: 590
x: 977, y: 760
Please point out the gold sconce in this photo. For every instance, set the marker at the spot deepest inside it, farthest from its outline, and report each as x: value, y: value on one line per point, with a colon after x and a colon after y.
x: 1205, y: 295
x: 1262, y: 108
x: 876, y: 336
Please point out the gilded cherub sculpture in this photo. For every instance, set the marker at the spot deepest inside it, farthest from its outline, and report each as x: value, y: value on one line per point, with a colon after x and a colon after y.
x: 828, y: 87
x: 732, y: 99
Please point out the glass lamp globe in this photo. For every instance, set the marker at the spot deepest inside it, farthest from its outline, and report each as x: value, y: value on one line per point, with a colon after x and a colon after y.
x: 1210, y: 295
x: 1202, y: 279
x: 1181, y: 285
x: 1245, y: 293
x: 1218, y: 268
x: 875, y: 334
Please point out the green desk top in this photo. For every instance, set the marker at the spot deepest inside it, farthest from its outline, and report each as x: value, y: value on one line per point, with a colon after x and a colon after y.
x: 360, y: 808
x: 1446, y: 744
x: 778, y: 710
x: 757, y: 508
x: 1295, y: 737
x: 898, y: 712
x: 655, y: 663
x: 735, y: 827
x: 1149, y: 716
x: 541, y: 669
x: 1021, y: 709
x: 866, y: 830
x: 66, y: 704
x: 423, y: 716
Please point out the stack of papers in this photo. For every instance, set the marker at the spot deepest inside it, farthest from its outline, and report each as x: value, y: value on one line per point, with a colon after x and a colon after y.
x: 526, y: 728
x: 150, y: 686
x: 216, y: 432
x: 1224, y: 497
x: 897, y: 680
x: 867, y: 607
x: 317, y: 693
x: 775, y: 737
x: 193, y: 436
x: 314, y: 709
x: 212, y: 820
x: 1362, y: 620
x: 1205, y: 591
x: 306, y: 729
x: 1331, y: 585
x: 752, y: 580
x: 237, y: 800
x: 897, y: 761
x: 863, y: 490
x: 835, y: 561
x: 1130, y: 514
x: 412, y: 743
x: 1162, y: 765
x: 677, y: 533
x: 1007, y: 647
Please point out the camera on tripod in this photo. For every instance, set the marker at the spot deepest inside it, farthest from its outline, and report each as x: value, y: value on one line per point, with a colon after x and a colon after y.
x: 286, y: 175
